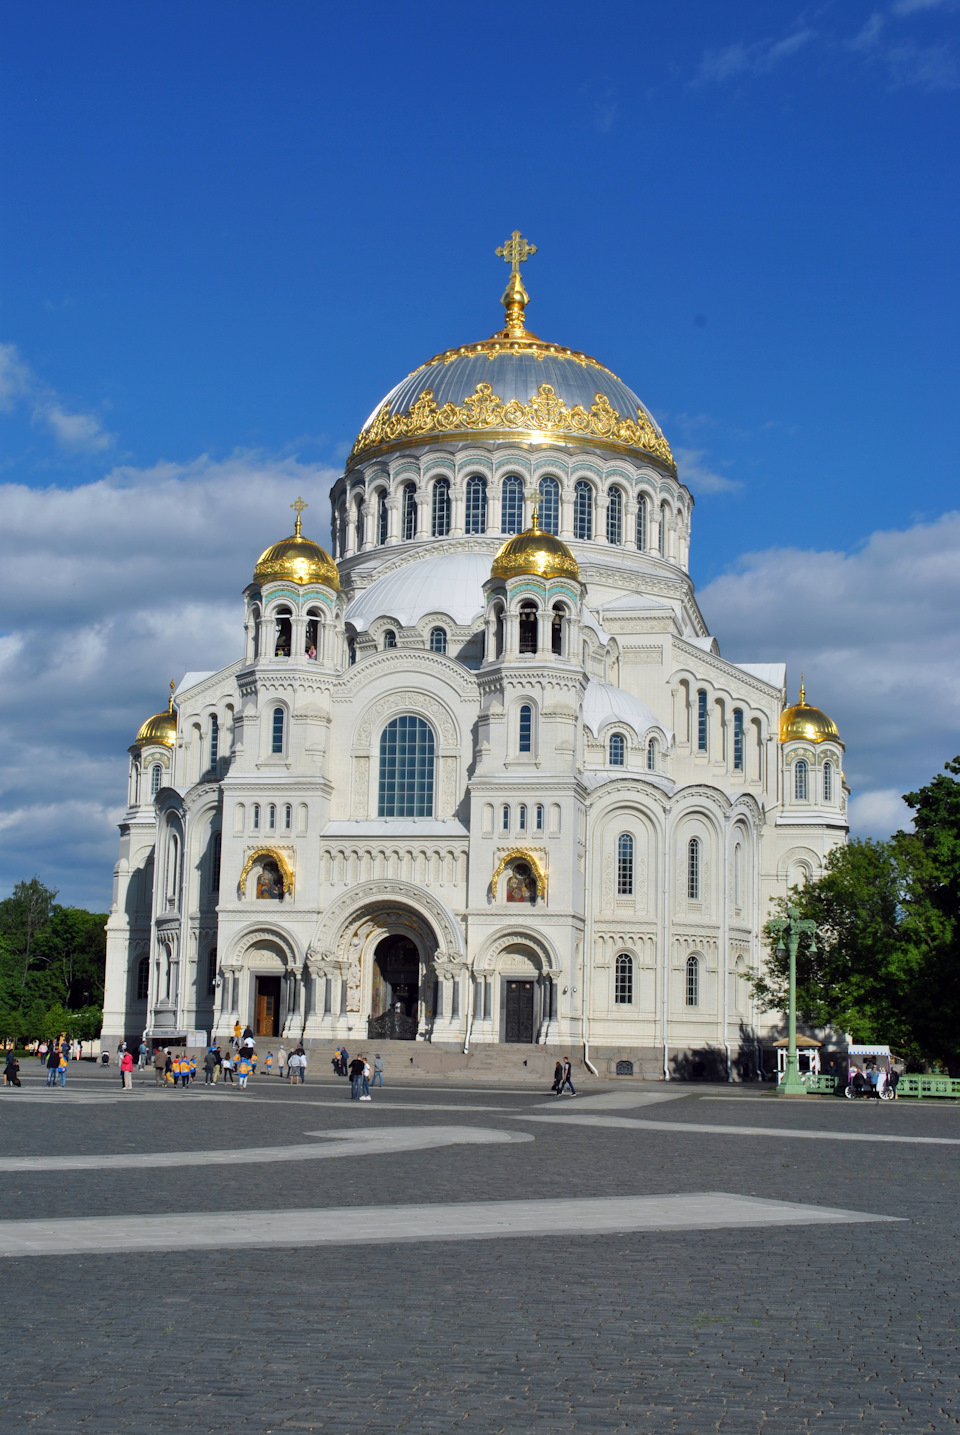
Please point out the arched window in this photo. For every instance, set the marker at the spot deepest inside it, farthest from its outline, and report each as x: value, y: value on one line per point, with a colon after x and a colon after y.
x: 693, y: 869
x: 652, y: 755
x: 615, y: 516
x: 738, y: 739
x: 693, y: 981
x: 211, y: 972
x: 255, y: 626
x: 287, y: 817
x: 143, y: 979
x: 522, y: 818
x: 311, y: 634
x: 406, y: 768
x: 801, y: 785
x: 549, y: 517
x: 351, y: 652
x: 438, y: 640
x: 525, y: 743
x: 623, y: 980
x: 828, y: 782
x: 539, y: 816
x: 582, y: 509
x: 624, y: 865
x: 475, y: 517
x: 272, y: 817
x: 382, y: 517
x: 738, y: 876
x: 358, y: 523
x: 528, y: 628
x: 156, y: 778
x: 389, y: 639
x: 662, y: 533
x: 255, y: 816
x: 408, y: 513
x: 702, y: 720
x: 642, y: 522
x: 511, y: 505
x: 283, y: 631
x: 215, y: 862
x: 214, y: 741
x: 617, y: 750
x: 498, y: 631
x: 276, y: 744
x: 440, y: 508
x: 556, y: 630
x: 505, y: 817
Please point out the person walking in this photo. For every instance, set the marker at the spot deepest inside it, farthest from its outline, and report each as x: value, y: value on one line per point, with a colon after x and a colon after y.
x: 557, y: 1077
x: 62, y: 1066
x: 356, y: 1078
x: 567, y: 1071
x: 142, y: 1055
x: 209, y: 1066
x: 236, y: 1034
x: 268, y: 1064
x: 302, y: 1068
x: 377, y: 1070
x: 126, y: 1071
x: 53, y: 1065
x: 293, y: 1067
x: 244, y: 1068
x: 226, y: 1067
x: 42, y: 1050
x: 894, y: 1080
x: 365, y: 1092
x: 344, y: 1061
x: 217, y: 1058
x: 281, y: 1061
x: 11, y: 1071
x: 159, y: 1066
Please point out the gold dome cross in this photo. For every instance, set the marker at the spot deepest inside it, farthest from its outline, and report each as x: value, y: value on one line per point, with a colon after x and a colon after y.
x: 516, y: 250
x: 299, y: 506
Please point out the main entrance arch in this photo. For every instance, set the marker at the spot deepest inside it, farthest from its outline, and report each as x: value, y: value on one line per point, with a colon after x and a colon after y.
x: 395, y: 990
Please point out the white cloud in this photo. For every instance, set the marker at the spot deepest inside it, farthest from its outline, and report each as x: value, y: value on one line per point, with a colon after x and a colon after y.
x: 758, y: 57
x: 107, y: 591
x: 699, y: 477
x: 76, y: 431
x: 877, y: 814
x: 877, y: 632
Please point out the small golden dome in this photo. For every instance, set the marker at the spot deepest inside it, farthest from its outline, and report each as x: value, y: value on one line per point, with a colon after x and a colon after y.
x: 160, y: 729
x: 297, y: 559
x: 535, y: 552
x: 803, y: 721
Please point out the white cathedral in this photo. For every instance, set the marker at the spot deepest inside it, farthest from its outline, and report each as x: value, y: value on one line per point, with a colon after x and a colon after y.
x: 482, y: 779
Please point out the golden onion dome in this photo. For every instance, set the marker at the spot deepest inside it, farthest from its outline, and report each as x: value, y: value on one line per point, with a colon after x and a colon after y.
x: 161, y: 729
x: 297, y: 559
x: 803, y: 721
x: 535, y: 552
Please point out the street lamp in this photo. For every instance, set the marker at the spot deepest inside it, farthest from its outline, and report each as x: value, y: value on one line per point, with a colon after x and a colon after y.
x: 790, y: 929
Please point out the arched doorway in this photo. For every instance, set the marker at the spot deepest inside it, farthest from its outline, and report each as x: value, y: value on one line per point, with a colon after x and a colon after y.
x: 395, y: 994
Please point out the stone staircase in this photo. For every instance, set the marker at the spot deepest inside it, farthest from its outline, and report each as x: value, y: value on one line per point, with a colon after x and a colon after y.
x: 406, y: 1060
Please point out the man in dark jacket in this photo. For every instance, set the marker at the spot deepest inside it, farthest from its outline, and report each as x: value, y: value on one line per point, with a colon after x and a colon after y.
x: 356, y: 1078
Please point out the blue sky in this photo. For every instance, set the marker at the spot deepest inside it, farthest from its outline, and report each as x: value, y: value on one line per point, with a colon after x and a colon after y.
x: 227, y: 230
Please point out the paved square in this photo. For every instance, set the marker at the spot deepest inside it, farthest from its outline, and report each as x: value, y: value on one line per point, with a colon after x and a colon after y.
x: 639, y: 1259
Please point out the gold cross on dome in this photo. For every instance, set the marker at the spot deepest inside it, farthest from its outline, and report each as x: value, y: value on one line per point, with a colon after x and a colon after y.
x: 299, y: 506
x: 515, y: 251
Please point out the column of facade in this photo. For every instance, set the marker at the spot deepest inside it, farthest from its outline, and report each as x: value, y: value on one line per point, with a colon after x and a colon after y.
x: 369, y: 517
x: 493, y: 509
x: 566, y: 512
x: 423, y: 515
x: 457, y: 505
x: 600, y: 526
x: 544, y: 632
x: 393, y: 519
x: 630, y: 522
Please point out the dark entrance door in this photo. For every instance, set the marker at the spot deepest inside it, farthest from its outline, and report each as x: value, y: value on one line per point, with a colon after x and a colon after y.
x: 396, y: 990
x: 518, y: 1026
x: 268, y: 1006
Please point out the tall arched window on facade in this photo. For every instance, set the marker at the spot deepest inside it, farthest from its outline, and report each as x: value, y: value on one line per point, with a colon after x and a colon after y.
x: 693, y: 981
x: 549, y: 517
x: 287, y: 817
x: 528, y: 628
x: 738, y: 876
x: 475, y: 513
x: 156, y: 778
x: 440, y: 508
x: 511, y: 505
x: 382, y: 517
x: 358, y: 523
x: 505, y: 817
x: 624, y: 865
x: 525, y: 743
x: 389, y: 639
x: 211, y: 972
x: 828, y: 782
x: 617, y: 750
x: 615, y: 516
x: 582, y: 509
x: 406, y: 768
x: 341, y: 530
x: 623, y: 980
x: 539, y: 817
x: 408, y: 513
x: 215, y: 862
x: 556, y: 629
x: 214, y: 741
x: 652, y: 755
x: 522, y: 817
x: 693, y: 869
x: 143, y: 979
x: 702, y: 720
x: 272, y: 817
x: 662, y: 533
x: 276, y: 744
x: 642, y: 523
x: 438, y: 640
x: 738, y: 739
x: 255, y: 817
x: 801, y: 785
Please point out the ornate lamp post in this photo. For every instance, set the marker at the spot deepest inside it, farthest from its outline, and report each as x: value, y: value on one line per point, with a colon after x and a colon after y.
x: 790, y: 929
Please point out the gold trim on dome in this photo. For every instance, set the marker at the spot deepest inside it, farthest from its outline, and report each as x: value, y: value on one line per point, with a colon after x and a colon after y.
x: 804, y: 723
x: 520, y: 854
x: 297, y: 560
x: 546, y: 415
x: 535, y: 553
x: 286, y: 875
x: 505, y: 343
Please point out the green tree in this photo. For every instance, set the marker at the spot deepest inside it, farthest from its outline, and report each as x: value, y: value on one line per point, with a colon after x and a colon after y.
x: 23, y: 914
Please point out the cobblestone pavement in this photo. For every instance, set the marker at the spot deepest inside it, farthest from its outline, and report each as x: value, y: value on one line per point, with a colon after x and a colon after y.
x: 837, y: 1328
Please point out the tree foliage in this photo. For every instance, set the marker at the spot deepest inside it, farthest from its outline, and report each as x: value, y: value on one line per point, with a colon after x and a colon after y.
x: 887, y: 965
x: 52, y: 961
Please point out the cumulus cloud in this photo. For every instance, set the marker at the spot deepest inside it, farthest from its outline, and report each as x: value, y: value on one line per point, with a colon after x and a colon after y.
x: 699, y: 476
x: 108, y: 591
x: 77, y: 431
x: 877, y: 632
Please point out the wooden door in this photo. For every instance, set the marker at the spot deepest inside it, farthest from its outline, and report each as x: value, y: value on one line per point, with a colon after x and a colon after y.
x: 518, y: 1026
x: 268, y: 1006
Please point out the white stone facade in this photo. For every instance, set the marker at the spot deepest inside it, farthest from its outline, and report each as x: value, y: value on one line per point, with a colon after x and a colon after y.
x: 603, y: 744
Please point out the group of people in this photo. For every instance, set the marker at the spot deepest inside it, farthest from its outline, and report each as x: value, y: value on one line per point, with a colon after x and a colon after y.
x: 874, y: 1081
x: 362, y: 1075
x: 561, y: 1077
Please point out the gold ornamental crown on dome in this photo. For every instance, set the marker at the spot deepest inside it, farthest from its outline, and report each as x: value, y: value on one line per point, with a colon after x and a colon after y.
x: 297, y: 559
x: 536, y: 554
x: 806, y: 722
x: 161, y: 729
x: 564, y: 396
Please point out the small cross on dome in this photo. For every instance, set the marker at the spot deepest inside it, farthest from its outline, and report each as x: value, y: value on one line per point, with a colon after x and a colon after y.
x: 299, y: 506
